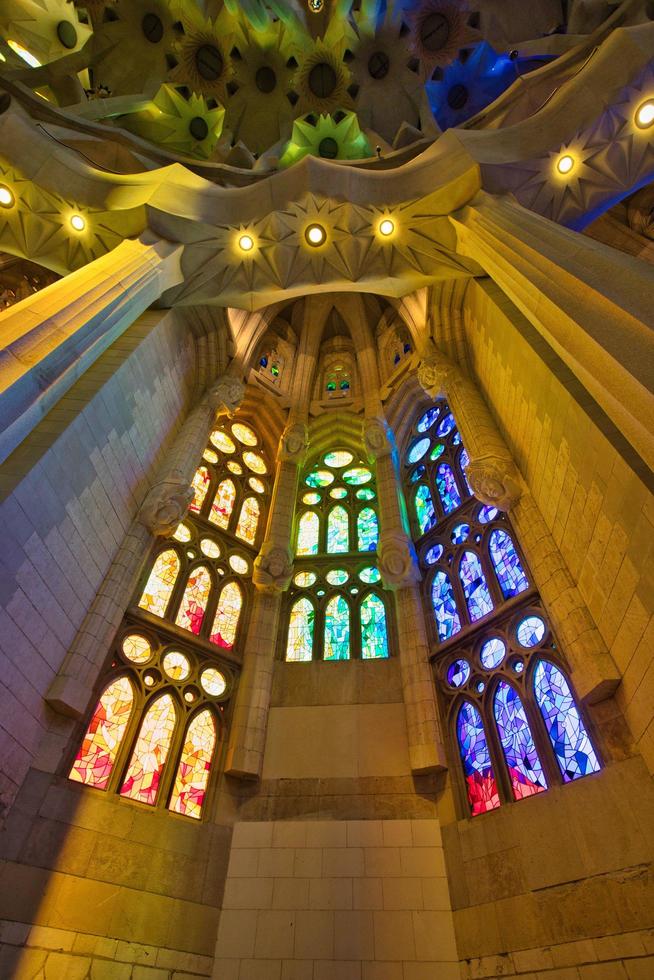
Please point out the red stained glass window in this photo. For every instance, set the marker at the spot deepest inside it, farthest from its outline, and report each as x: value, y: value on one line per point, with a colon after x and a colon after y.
x: 150, y: 752
x: 194, y: 601
x: 201, y: 482
x: 194, y: 766
x: 95, y: 760
x: 223, y: 631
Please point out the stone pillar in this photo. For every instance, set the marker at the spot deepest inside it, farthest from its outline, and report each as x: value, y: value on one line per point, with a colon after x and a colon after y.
x: 164, y: 507
x: 495, y: 480
x: 273, y: 570
x: 398, y: 565
x: 52, y: 337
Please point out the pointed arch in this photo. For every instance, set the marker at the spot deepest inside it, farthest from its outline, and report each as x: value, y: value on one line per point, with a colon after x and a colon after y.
x: 299, y: 646
x: 228, y: 613
x: 143, y: 776
x: 374, y: 634
x: 337, y: 629
x: 161, y: 581
x: 525, y: 769
x: 572, y: 746
x: 481, y: 785
x: 95, y: 760
x: 475, y: 586
x: 509, y: 571
x: 447, y: 616
x: 308, y: 534
x: 200, y: 485
x: 448, y: 489
x: 194, y: 767
x: 425, y: 511
x: 338, y: 531
x: 192, y: 608
x: 248, y: 520
x: 223, y: 504
x: 464, y: 460
x: 367, y: 529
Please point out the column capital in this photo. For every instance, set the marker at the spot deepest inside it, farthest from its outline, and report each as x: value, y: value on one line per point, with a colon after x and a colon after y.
x: 377, y: 438
x: 226, y: 395
x: 273, y: 568
x: 165, y: 506
x: 495, y: 481
x: 437, y: 374
x: 398, y: 562
x: 294, y: 443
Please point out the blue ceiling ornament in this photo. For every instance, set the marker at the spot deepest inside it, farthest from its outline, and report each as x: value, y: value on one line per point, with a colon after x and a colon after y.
x: 464, y: 88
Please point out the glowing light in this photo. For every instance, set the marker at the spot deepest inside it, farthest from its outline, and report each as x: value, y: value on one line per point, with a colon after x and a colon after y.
x: 565, y: 164
x: 77, y: 222
x: 386, y: 227
x: 24, y: 54
x: 6, y: 197
x: 315, y: 235
x: 645, y: 114
x: 246, y: 243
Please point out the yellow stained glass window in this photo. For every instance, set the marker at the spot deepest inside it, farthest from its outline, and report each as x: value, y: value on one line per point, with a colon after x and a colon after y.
x: 300, y: 631
x: 248, y: 520
x: 244, y: 434
x: 160, y: 583
x: 223, y: 631
x: 194, y: 602
x: 200, y: 484
x: 307, y: 535
x: 254, y: 462
x: 223, y: 504
x: 222, y: 442
x: 194, y: 767
x: 95, y: 760
x: 150, y: 752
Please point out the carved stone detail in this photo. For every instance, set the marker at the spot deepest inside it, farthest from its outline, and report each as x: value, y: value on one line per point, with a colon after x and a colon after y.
x: 398, y: 562
x: 165, y: 506
x: 436, y: 375
x: 294, y: 443
x: 640, y: 212
x: 495, y: 481
x: 226, y: 395
x: 273, y: 569
x: 377, y: 438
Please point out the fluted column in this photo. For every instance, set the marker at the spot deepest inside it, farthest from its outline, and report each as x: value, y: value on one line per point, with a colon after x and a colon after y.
x: 398, y: 565
x: 273, y: 570
x: 495, y: 480
x: 52, y: 337
x: 164, y: 507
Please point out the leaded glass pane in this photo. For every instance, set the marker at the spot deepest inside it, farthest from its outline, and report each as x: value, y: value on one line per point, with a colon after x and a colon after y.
x: 368, y: 529
x: 248, y: 520
x: 223, y: 631
x: 337, y: 629
x: 300, y: 631
x: 525, y: 770
x: 444, y: 603
x: 308, y: 533
x: 374, y: 638
x: 475, y: 587
x: 223, y: 504
x: 510, y: 573
x: 200, y: 485
x: 95, y: 760
x: 194, y: 767
x: 150, y: 752
x: 425, y: 509
x: 572, y: 746
x: 338, y: 533
x: 447, y: 488
x: 194, y: 601
x: 160, y: 583
x: 481, y: 784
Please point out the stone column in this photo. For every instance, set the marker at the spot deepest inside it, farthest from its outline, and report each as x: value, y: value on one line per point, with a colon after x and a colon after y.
x: 273, y: 570
x: 398, y: 565
x: 495, y: 480
x: 164, y: 507
x: 52, y: 337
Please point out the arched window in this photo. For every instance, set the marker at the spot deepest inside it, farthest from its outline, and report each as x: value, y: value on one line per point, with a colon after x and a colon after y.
x: 225, y: 624
x: 444, y: 603
x: 223, y: 504
x: 248, y: 520
x: 160, y: 584
x: 374, y: 637
x: 194, y: 766
x: 200, y: 485
x: 425, y: 509
x: 337, y: 629
x: 150, y: 752
x: 338, y: 531
x: 95, y: 760
x: 525, y: 770
x: 464, y: 459
x: 300, y: 631
x: 447, y: 488
x: 507, y: 565
x: 367, y: 529
x: 481, y: 784
x: 194, y: 601
x: 308, y: 534
x: 475, y: 587
x: 572, y: 746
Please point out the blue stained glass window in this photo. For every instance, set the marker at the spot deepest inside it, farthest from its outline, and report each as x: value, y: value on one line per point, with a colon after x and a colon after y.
x: 481, y: 784
x: 475, y: 587
x: 434, y: 554
x: 510, y: 573
x: 338, y: 531
x: 572, y: 746
x: 428, y: 419
x: 418, y: 450
x: 492, y: 653
x: 525, y: 770
x: 444, y: 603
x: 446, y: 425
x: 464, y: 459
x: 425, y: 509
x: 487, y: 514
x: 374, y: 639
x: 458, y: 673
x: 447, y: 488
x: 367, y: 529
x: 460, y: 533
x: 531, y: 631
x: 337, y: 629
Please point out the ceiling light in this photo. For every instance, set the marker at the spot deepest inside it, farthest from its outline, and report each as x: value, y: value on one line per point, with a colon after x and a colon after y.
x: 315, y: 235
x: 6, y: 197
x: 23, y: 53
x: 78, y: 222
x: 246, y: 243
x: 386, y: 227
x: 565, y: 164
x: 645, y: 114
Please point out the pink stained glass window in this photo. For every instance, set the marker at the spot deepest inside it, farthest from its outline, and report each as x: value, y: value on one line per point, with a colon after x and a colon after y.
x: 160, y: 583
x: 200, y: 485
x: 194, y: 601
x: 95, y: 760
x: 150, y: 752
x: 248, y: 520
x: 194, y: 766
x: 223, y: 504
x: 223, y: 631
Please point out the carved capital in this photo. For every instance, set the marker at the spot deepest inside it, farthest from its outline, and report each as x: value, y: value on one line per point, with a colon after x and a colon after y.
x: 165, y: 506
x: 226, y: 395
x: 495, y: 481
x: 640, y: 212
x: 437, y: 375
x: 273, y: 569
x: 294, y: 443
x: 398, y: 563
x: 377, y: 438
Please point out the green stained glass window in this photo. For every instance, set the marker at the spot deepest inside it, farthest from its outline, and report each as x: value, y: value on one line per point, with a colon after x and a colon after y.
x: 338, y: 459
x: 319, y: 478
x: 367, y: 529
x: 366, y: 494
x: 374, y: 638
x: 300, y: 631
x: 369, y: 575
x: 337, y: 576
x: 358, y: 475
x: 338, y: 533
x: 308, y: 533
x: 337, y: 629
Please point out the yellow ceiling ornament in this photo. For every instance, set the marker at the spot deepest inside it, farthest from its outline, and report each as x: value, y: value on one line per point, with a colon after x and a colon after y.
x: 45, y: 29
x: 322, y: 81
x: 202, y: 53
x: 440, y: 29
x: 185, y: 126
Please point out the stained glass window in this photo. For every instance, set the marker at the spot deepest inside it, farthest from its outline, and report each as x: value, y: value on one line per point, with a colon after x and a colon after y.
x: 475, y: 587
x: 194, y: 601
x: 507, y: 565
x: 161, y: 581
x: 444, y: 603
x: 150, y: 752
x: 223, y: 631
x: 478, y: 770
x: 308, y: 534
x: 374, y: 638
x: 200, y: 485
x: 248, y: 520
x: 525, y: 770
x: 223, y: 504
x: 368, y: 529
x: 338, y: 531
x: 194, y: 766
x: 572, y: 746
x: 337, y: 629
x: 425, y: 509
x: 447, y: 488
x: 95, y: 760
x: 300, y: 631
x: 464, y: 460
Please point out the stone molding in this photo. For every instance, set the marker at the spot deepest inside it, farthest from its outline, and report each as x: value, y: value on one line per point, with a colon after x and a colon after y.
x: 294, y: 443
x: 273, y: 569
x: 226, y: 395
x: 377, y: 438
x: 495, y: 481
x: 165, y: 506
x: 398, y: 562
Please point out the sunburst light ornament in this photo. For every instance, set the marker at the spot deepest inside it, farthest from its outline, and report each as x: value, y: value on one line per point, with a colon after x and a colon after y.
x: 440, y: 29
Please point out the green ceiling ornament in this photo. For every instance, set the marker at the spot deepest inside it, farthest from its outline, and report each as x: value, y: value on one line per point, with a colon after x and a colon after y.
x: 185, y: 126
x: 336, y: 137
